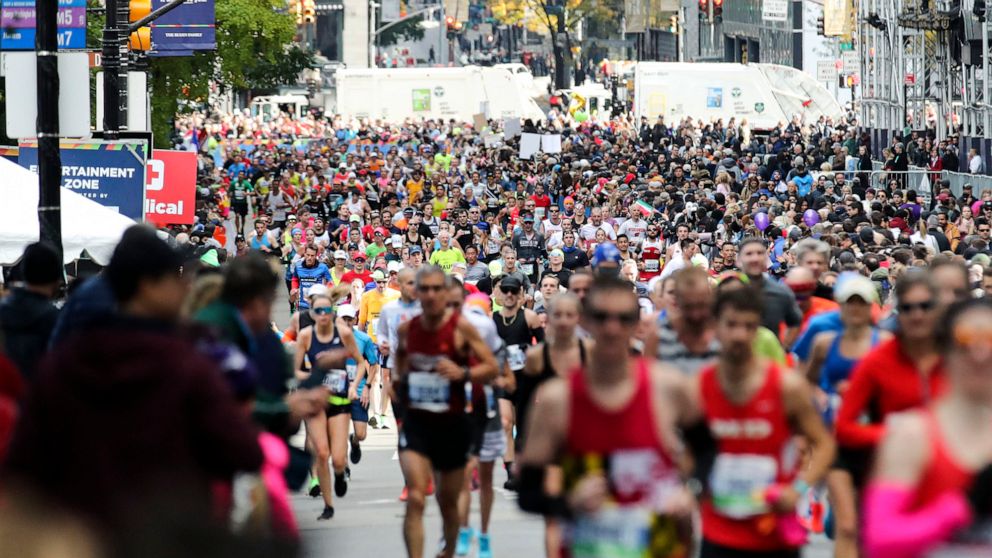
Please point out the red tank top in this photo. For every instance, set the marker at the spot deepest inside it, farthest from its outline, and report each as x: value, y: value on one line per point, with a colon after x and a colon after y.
x: 755, y: 449
x: 626, y: 447
x: 943, y: 473
x: 427, y: 391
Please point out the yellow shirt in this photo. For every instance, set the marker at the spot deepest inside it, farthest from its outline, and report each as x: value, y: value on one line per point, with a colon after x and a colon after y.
x: 371, y: 307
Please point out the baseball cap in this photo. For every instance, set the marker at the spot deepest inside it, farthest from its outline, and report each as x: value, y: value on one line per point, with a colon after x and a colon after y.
x: 852, y: 284
x: 378, y: 275
x: 394, y: 267
x: 510, y: 282
x: 528, y: 218
x: 397, y: 240
x: 347, y: 311
x: 358, y: 256
x: 317, y: 289
x: 557, y: 253
x: 416, y: 250
x: 381, y: 231
x: 495, y: 268
x: 606, y: 252
x: 340, y: 255
x: 355, y: 219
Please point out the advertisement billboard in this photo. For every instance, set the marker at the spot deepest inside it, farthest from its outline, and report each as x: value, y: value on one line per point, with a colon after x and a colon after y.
x: 188, y: 28
x: 17, y: 18
x: 170, y: 188
x: 109, y: 173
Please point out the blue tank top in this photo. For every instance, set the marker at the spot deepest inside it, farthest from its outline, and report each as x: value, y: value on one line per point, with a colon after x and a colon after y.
x: 336, y: 380
x: 837, y: 367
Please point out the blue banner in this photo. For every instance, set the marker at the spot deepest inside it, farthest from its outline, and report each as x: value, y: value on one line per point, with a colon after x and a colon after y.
x: 189, y: 27
x: 17, y: 18
x: 111, y: 174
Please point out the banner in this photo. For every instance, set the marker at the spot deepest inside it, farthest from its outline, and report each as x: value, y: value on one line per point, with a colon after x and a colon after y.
x: 109, y: 173
x: 17, y: 18
x: 190, y: 27
x: 170, y: 197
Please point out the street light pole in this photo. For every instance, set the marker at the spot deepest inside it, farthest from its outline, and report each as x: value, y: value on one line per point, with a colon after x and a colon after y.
x: 49, y: 158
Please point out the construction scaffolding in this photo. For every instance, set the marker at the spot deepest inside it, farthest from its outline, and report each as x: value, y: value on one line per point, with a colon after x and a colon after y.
x: 925, y: 66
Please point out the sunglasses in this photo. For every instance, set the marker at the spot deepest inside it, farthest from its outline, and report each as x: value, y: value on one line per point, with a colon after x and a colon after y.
x: 908, y: 307
x: 970, y: 338
x: 510, y: 290
x: 383, y: 282
x: 625, y: 318
x: 323, y: 311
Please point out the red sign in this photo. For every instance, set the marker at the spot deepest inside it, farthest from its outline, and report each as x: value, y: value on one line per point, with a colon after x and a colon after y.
x: 910, y: 79
x: 170, y: 188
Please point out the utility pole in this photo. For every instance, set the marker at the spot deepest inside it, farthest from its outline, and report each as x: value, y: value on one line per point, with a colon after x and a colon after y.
x: 115, y: 62
x: 49, y: 158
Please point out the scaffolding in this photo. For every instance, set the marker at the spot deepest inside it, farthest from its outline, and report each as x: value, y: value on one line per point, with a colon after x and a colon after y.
x: 922, y: 67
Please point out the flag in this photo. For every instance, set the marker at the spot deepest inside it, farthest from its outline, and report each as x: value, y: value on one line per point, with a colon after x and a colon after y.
x: 807, y: 103
x: 644, y: 207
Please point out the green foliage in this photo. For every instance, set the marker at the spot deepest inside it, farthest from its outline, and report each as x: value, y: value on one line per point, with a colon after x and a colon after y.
x: 409, y: 30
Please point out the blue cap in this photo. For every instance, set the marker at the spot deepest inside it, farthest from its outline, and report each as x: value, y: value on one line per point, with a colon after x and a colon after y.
x: 606, y: 253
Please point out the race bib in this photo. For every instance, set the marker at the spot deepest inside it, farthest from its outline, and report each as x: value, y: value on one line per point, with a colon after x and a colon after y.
x: 527, y: 268
x: 651, y: 265
x: 738, y: 484
x: 352, y: 369
x: 337, y: 382
x: 429, y: 391
x: 611, y: 533
x: 515, y: 357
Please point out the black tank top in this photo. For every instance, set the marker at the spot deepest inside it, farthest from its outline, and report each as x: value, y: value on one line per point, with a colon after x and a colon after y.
x: 336, y: 380
x: 517, y: 336
x: 548, y: 371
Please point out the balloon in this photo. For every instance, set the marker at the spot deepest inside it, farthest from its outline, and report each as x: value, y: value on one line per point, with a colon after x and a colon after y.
x: 811, y: 217
x: 761, y: 221
x: 581, y: 116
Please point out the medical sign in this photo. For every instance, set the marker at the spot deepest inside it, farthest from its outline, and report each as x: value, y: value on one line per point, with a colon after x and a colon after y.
x: 170, y: 191
x: 188, y: 28
x: 17, y: 18
x: 109, y: 173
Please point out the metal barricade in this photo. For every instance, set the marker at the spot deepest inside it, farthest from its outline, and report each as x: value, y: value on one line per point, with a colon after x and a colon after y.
x: 979, y: 182
x: 919, y: 180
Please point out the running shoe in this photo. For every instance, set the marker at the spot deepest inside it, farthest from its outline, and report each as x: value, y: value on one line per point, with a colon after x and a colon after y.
x: 404, y: 494
x: 464, y: 542
x: 340, y: 485
x: 485, y: 551
x: 328, y: 513
x: 356, y: 450
x: 382, y: 422
x: 314, y: 487
x: 373, y: 422
x: 510, y: 484
x: 347, y: 472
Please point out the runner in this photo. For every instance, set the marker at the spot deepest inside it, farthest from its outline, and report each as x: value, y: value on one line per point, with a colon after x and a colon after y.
x: 368, y: 321
x: 306, y: 274
x: 519, y: 328
x: 327, y: 433
x: 358, y: 372
x: 753, y: 410
x: 611, y: 425
x: 686, y: 337
x: 929, y: 495
x: 432, y: 353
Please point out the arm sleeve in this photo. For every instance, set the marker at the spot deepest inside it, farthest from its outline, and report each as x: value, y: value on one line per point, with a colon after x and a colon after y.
x: 850, y: 433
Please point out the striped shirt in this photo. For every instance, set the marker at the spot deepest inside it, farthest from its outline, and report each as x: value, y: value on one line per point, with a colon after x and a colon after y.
x: 673, y: 352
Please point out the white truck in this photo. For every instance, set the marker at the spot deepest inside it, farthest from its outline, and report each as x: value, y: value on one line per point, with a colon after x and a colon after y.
x: 432, y: 93
x: 763, y: 94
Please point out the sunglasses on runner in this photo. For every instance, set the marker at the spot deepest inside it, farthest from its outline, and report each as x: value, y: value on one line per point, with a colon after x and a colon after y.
x: 625, y: 318
x: 323, y: 311
x: 908, y: 307
x: 510, y: 290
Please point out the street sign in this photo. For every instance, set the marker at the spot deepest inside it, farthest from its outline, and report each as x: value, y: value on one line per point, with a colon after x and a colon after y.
x: 775, y: 10
x: 17, y: 18
x: 22, y: 95
x: 170, y: 197
x: 826, y: 70
x: 910, y: 79
x: 190, y: 27
x: 851, y: 62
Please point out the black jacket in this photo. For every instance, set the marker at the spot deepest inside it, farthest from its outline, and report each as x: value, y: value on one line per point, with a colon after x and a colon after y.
x: 27, y: 320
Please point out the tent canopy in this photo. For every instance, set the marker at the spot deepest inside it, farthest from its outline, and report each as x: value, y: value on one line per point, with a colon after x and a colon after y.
x: 86, y: 225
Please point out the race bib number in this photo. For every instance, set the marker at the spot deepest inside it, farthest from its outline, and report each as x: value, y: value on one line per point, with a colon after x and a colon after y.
x: 611, y: 533
x: 651, y: 265
x: 352, y: 370
x: 527, y: 268
x: 515, y: 357
x: 337, y: 382
x: 429, y: 392
x: 738, y: 484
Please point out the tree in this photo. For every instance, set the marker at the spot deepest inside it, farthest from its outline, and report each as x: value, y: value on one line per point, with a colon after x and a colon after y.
x: 406, y: 30
x: 571, y: 13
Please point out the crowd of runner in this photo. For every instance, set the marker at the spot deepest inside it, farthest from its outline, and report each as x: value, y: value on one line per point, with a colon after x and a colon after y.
x: 669, y: 339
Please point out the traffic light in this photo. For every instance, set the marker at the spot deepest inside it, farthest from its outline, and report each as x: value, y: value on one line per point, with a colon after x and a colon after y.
x: 821, y: 27
x: 717, y: 11
x: 296, y: 10
x: 453, y: 26
x: 309, y: 11
x: 142, y: 38
x: 704, y: 10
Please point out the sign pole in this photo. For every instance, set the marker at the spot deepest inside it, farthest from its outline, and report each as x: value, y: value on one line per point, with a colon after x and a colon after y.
x: 49, y: 158
x: 114, y: 65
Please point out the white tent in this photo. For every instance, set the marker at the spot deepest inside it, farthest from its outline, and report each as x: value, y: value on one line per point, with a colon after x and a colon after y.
x: 86, y: 225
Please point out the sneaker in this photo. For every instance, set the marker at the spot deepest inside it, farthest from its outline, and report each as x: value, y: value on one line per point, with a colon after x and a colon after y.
x: 314, y: 487
x: 340, y: 485
x: 464, y: 542
x: 356, y: 450
x: 484, y: 549
x: 328, y: 513
x: 382, y: 422
x: 373, y: 422
x: 510, y: 484
x: 347, y: 472
x: 404, y: 494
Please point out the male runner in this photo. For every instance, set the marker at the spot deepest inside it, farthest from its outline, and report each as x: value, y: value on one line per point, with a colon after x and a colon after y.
x: 519, y: 327
x: 368, y: 320
x: 752, y: 411
x: 432, y: 355
x: 612, y: 427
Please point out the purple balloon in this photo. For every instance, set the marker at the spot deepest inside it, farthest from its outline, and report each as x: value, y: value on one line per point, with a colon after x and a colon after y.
x: 811, y: 217
x: 761, y: 221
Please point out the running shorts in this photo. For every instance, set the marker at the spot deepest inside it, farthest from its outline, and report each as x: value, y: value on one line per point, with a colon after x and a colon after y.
x: 444, y: 439
x: 333, y: 410
x: 358, y: 412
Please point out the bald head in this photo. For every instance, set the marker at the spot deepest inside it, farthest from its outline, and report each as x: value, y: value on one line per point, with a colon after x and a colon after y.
x: 405, y: 279
x: 799, y: 276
